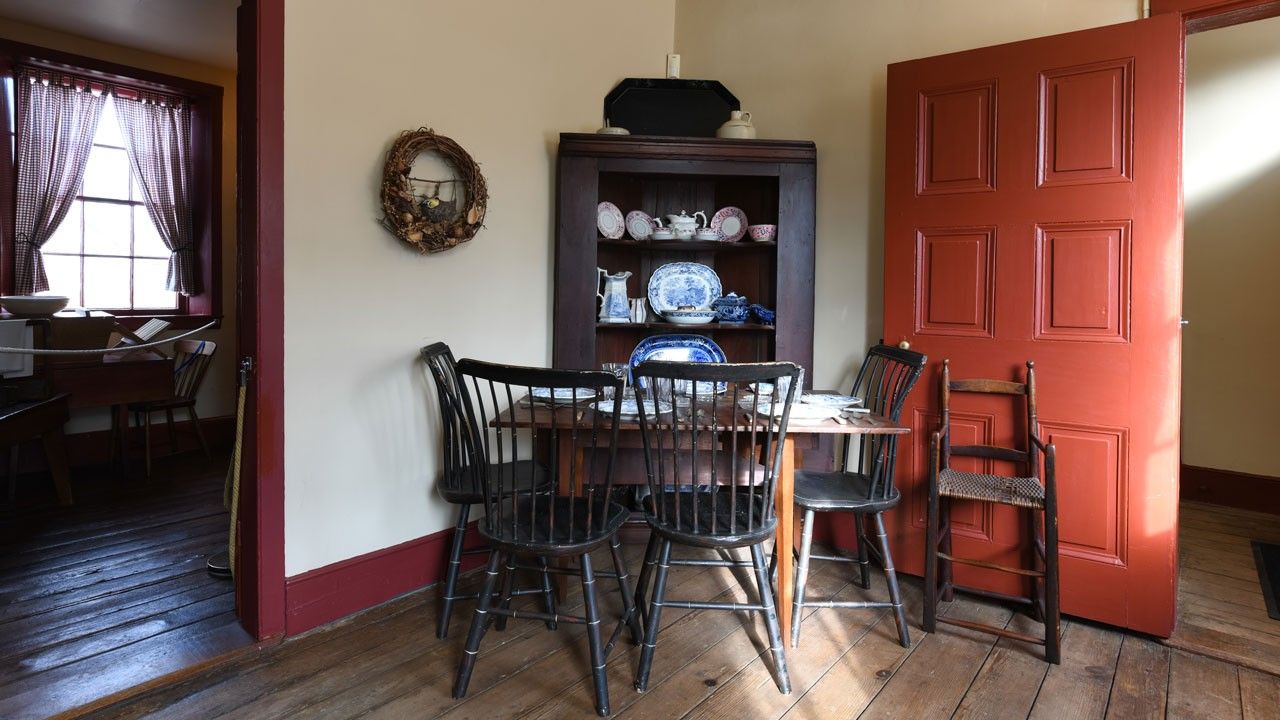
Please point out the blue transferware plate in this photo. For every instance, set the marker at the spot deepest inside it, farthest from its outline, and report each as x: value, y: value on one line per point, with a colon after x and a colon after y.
x: 679, y: 348
x: 563, y: 395
x: 683, y: 283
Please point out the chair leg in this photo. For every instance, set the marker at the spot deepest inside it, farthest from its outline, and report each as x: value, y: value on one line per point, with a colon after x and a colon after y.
x: 771, y: 621
x: 195, y: 425
x: 451, y: 573
x: 146, y: 441
x: 593, y: 636
x: 891, y: 577
x: 654, y: 616
x: 1053, y: 609
x: 802, y: 576
x: 630, y: 617
x: 479, y: 622
x: 931, y: 562
x: 548, y: 593
x: 646, y: 573
x: 508, y: 577
x: 173, y: 430
x: 864, y: 565
x: 944, y: 565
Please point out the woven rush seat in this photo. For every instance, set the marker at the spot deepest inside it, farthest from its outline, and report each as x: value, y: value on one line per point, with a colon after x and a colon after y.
x: 1024, y: 492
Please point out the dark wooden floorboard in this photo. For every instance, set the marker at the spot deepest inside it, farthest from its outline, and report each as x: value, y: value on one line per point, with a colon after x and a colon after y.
x: 113, y: 592
x: 386, y: 663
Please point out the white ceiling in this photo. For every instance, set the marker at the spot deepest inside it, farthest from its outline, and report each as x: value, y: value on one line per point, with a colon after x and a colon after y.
x: 199, y: 30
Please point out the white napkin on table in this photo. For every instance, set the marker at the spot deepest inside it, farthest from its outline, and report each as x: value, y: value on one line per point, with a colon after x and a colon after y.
x: 16, y: 333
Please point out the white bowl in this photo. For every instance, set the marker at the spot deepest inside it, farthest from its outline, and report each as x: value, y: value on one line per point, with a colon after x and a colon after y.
x: 34, y: 304
x: 689, y: 317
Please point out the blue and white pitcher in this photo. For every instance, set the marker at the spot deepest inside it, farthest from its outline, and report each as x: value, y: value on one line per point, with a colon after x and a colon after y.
x: 614, y: 307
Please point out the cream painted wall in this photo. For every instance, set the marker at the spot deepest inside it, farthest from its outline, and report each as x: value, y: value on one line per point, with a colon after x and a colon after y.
x: 217, y: 396
x: 1232, y: 179
x: 815, y: 69
x: 501, y: 78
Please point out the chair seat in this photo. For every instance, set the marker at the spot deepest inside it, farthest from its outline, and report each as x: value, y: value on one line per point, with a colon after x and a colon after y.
x: 1020, y: 491
x: 734, y: 524
x: 527, y: 527
x: 839, y: 491
x: 528, y: 475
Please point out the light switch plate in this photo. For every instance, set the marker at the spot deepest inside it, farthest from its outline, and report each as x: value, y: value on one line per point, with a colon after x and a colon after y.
x: 673, y: 65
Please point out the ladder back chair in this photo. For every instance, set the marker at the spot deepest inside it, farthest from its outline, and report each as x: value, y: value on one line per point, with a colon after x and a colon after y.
x: 571, y: 517
x: 1025, y: 492
x: 862, y: 486
x: 191, y: 360
x: 711, y: 485
x: 458, y: 485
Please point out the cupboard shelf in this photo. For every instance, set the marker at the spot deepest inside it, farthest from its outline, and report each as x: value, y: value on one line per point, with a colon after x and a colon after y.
x: 690, y: 245
x: 708, y: 327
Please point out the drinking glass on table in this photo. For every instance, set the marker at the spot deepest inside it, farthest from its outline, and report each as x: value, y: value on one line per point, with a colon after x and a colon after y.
x: 622, y: 371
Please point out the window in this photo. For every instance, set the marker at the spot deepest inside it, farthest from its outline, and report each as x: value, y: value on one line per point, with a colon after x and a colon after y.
x: 107, y: 254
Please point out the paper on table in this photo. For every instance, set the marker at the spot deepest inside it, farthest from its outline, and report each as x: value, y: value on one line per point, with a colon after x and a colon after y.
x: 16, y: 333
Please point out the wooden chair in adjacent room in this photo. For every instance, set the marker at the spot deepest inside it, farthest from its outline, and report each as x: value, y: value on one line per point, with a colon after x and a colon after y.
x: 862, y: 486
x: 573, y: 517
x: 711, y: 490
x: 191, y: 359
x: 1025, y: 492
x: 459, y: 486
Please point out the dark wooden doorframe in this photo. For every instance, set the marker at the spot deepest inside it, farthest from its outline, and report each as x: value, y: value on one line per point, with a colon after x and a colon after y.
x: 1201, y: 15
x: 260, y: 599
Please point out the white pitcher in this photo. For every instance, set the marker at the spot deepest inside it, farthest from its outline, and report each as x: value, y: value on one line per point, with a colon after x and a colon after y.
x: 614, y: 307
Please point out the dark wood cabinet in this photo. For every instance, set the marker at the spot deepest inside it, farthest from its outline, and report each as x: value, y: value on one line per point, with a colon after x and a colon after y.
x: 772, y: 181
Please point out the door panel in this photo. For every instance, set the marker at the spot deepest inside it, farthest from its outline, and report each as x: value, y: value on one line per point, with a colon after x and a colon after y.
x: 1033, y: 212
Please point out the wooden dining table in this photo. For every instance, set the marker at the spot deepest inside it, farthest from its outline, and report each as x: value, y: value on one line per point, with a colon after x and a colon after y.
x: 559, y: 419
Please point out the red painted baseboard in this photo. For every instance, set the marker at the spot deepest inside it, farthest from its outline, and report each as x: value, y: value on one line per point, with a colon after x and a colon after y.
x: 1231, y: 489
x: 335, y: 591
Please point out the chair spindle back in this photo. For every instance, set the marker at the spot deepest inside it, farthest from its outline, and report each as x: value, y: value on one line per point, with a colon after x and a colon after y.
x: 886, y: 377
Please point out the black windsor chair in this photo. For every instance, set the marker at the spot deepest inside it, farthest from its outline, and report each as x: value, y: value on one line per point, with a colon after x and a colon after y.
x: 862, y: 486
x: 573, y: 516
x: 711, y: 482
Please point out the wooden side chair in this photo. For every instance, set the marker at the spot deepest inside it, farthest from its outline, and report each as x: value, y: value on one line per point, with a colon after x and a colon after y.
x: 862, y: 486
x: 1025, y: 492
x: 191, y: 360
x: 459, y: 486
x: 707, y: 490
x: 576, y: 518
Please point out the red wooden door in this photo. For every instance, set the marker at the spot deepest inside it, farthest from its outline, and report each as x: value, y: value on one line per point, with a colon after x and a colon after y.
x: 1033, y: 211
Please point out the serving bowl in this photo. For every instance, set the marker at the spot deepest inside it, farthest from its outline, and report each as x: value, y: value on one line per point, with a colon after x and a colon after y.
x: 690, y: 316
x: 34, y: 304
x: 762, y: 233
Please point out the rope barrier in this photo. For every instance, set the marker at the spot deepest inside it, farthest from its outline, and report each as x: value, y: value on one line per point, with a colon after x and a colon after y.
x: 106, y: 351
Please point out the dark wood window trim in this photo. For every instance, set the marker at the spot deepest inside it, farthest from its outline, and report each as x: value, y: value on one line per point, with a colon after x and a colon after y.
x: 206, y: 134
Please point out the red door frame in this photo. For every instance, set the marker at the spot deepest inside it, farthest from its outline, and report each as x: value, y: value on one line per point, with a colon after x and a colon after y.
x: 260, y: 130
x: 1201, y: 15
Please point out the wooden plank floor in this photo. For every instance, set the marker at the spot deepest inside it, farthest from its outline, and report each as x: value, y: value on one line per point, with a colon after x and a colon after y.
x: 1221, y: 612
x: 113, y: 591
x: 386, y: 663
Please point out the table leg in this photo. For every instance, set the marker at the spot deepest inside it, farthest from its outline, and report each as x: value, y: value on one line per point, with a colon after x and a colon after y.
x: 55, y: 452
x: 785, y: 506
x: 122, y: 436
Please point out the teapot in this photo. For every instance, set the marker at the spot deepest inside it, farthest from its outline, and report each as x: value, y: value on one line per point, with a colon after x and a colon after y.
x: 614, y: 307
x: 685, y: 225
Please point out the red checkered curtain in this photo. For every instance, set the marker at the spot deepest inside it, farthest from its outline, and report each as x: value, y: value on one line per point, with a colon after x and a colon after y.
x: 157, y: 135
x: 56, y: 120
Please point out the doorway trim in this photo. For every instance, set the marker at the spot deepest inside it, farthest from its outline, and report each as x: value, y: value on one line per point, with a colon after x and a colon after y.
x: 261, y: 573
x: 1201, y: 15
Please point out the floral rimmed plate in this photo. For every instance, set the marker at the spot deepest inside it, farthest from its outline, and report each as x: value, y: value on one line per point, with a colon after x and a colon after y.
x: 800, y: 412
x: 562, y: 395
x: 630, y: 408
x: 831, y: 400
x: 730, y: 223
x: 609, y: 220
x: 639, y: 225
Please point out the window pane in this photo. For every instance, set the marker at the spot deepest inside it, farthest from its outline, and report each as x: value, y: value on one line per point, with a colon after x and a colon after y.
x: 108, y: 132
x: 106, y: 228
x: 106, y: 282
x: 66, y: 239
x: 148, y: 285
x: 146, y: 239
x: 64, y: 276
x: 107, y: 174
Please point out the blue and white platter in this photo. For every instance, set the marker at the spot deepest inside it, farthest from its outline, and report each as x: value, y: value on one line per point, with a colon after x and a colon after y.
x: 679, y: 284
x: 679, y: 348
x: 562, y: 395
x: 630, y: 408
